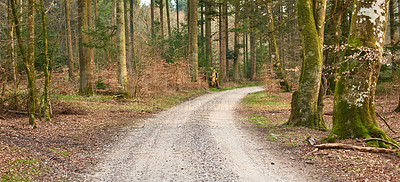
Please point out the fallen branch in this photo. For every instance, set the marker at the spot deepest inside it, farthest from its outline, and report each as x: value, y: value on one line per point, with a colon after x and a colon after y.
x: 384, y: 120
x: 352, y: 147
x: 1, y: 117
x: 381, y: 140
x: 16, y: 112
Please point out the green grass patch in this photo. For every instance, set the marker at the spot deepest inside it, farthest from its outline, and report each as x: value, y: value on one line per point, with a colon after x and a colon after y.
x: 23, y: 170
x: 259, y: 120
x: 62, y: 153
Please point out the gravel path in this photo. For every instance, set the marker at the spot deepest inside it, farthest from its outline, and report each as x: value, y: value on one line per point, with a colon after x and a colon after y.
x: 199, y: 140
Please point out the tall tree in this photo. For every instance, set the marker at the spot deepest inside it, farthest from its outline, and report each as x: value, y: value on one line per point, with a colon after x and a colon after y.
x: 253, y: 57
x: 28, y: 56
x: 12, y: 52
x: 236, y: 42
x: 162, y: 17
x: 193, y: 47
x: 152, y: 18
x: 208, y: 31
x: 177, y: 15
x: 46, y: 105
x: 225, y: 10
x: 304, y: 110
x: 278, y: 67
x: 132, y: 39
x: 121, y: 52
x: 69, y: 41
x: 85, y: 68
x: 354, y: 108
x: 168, y: 18
x: 222, y: 42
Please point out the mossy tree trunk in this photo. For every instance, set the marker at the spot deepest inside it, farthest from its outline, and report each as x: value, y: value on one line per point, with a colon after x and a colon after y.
x: 193, y: 46
x: 85, y: 67
x: 28, y: 56
x: 354, y: 109
x: 236, y: 43
x: 46, y: 106
x: 121, y: 51
x: 305, y: 101
x: 277, y: 64
x: 333, y: 35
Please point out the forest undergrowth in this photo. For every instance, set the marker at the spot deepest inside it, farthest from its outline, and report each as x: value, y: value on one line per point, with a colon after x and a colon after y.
x: 269, y: 110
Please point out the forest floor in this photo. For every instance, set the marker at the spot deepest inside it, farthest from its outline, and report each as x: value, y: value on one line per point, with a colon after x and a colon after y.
x: 269, y: 110
x: 64, y: 148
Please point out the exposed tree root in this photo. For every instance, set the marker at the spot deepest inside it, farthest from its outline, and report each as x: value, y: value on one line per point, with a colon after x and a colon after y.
x: 381, y: 140
x: 352, y: 147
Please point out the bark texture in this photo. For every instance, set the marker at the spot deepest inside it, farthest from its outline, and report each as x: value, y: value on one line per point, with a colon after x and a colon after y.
x: 121, y: 51
x: 354, y: 108
x: 305, y: 101
x: 236, y: 43
x: 69, y: 41
x: 85, y: 68
x: 208, y: 32
x: 277, y: 63
x: 28, y: 56
x: 193, y: 47
x: 46, y: 94
x: 222, y: 43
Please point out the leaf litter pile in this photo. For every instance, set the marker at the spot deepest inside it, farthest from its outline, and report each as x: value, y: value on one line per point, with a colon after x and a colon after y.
x: 270, y: 110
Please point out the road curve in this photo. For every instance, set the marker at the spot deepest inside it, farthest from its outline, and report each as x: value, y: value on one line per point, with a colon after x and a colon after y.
x: 198, y: 140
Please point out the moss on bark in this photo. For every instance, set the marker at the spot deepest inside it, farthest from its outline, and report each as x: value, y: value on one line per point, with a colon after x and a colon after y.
x: 354, y: 110
x: 305, y: 106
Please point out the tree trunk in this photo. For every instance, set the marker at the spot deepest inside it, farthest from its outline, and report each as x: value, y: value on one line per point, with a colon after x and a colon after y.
x: 236, y: 43
x: 168, y: 18
x: 253, y: 45
x: 222, y: 39
x: 121, y: 52
x: 277, y: 64
x: 333, y: 38
x: 12, y: 54
x: 85, y: 67
x: 208, y: 32
x: 152, y: 19
x: 132, y: 43
x: 253, y: 71
x: 162, y: 18
x: 193, y: 47
x: 69, y: 40
x: 46, y: 107
x: 392, y: 29
x: 225, y: 10
x: 354, y: 108
x: 90, y: 27
x: 177, y: 16
x: 305, y: 105
x: 28, y: 56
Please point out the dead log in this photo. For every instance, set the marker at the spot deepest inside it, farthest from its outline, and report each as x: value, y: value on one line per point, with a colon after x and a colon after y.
x: 353, y: 147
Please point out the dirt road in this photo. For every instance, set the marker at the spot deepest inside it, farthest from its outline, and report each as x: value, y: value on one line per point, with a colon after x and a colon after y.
x: 199, y: 140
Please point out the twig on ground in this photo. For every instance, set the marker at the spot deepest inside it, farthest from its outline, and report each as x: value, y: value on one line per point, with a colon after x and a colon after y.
x: 352, y: 147
x: 384, y: 120
x: 1, y: 117
x: 382, y: 140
